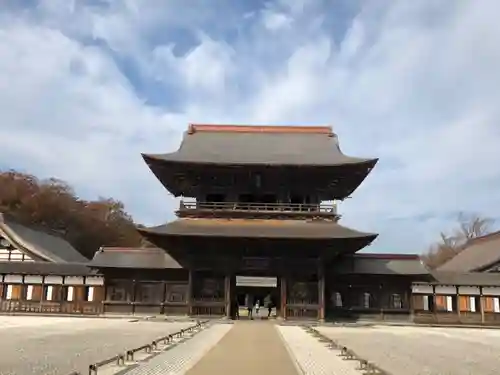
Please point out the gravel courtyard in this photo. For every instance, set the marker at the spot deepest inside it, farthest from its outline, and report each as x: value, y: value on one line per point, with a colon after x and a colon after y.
x: 422, y: 350
x: 51, y: 345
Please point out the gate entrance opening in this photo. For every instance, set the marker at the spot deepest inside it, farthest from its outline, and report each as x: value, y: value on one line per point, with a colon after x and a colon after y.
x: 259, y: 290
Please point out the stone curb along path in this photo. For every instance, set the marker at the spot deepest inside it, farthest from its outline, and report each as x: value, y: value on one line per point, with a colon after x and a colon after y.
x: 314, y: 357
x: 184, y: 355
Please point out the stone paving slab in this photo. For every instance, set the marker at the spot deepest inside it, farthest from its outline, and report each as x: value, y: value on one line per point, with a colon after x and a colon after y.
x: 250, y: 348
x: 181, y: 358
x: 423, y: 350
x: 314, y: 357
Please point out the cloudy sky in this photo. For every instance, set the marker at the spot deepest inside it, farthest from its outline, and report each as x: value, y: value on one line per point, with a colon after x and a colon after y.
x: 86, y: 86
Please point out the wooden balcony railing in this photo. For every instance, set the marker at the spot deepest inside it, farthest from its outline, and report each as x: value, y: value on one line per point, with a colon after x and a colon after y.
x: 322, y: 208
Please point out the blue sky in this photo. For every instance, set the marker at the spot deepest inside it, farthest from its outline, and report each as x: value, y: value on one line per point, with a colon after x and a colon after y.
x: 86, y: 86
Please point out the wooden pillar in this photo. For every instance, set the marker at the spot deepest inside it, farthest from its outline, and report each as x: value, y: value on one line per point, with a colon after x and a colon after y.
x: 283, y: 294
x: 321, y: 291
x: 105, y: 286
x: 409, y: 303
x: 481, y: 304
x: 133, y: 294
x: 434, y: 308
x: 227, y: 294
x: 163, y: 297
x: 384, y: 297
x: 42, y: 296
x: 190, y: 292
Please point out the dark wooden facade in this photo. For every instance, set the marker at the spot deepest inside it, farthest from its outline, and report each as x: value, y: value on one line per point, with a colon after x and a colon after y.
x: 257, y: 202
x: 306, y: 290
x: 260, y: 208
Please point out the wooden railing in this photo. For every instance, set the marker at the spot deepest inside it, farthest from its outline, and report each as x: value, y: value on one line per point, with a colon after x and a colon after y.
x: 302, y: 311
x: 323, y: 208
x: 63, y: 307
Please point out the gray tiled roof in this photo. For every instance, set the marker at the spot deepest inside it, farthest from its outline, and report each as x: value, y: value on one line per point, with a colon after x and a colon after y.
x: 381, y: 264
x: 307, y: 229
x: 44, y: 246
x: 151, y: 258
x: 45, y: 268
x: 469, y: 278
x: 269, y: 148
x: 480, y: 253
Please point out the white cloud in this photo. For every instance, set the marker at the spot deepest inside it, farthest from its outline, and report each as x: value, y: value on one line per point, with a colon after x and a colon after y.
x: 275, y: 21
x: 414, y: 83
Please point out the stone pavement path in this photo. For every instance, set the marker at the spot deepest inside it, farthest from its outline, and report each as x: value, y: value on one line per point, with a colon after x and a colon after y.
x: 251, y: 347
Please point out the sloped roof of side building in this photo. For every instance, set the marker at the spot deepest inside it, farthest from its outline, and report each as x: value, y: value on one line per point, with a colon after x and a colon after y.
x: 43, y: 246
x: 480, y: 254
x: 132, y: 257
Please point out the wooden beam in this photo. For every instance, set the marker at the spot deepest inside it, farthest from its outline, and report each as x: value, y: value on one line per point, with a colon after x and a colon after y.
x: 227, y: 294
x: 189, y: 296
x: 283, y: 295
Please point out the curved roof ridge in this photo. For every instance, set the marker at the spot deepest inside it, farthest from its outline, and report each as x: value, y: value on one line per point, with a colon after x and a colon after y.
x: 394, y: 256
x: 288, y: 129
x: 129, y: 249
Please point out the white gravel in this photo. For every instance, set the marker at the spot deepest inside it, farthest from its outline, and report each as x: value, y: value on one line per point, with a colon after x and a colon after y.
x: 58, y: 346
x: 423, y: 350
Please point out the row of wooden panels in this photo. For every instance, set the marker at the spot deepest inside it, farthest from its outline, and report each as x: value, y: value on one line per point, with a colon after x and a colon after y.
x: 464, y: 303
x: 472, y: 318
x: 19, y: 292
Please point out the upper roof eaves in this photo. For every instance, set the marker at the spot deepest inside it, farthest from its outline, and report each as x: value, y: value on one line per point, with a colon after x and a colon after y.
x: 259, y: 145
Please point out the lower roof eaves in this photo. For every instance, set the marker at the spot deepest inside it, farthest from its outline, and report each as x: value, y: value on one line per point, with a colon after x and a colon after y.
x: 381, y: 264
x: 46, y: 268
x: 255, y: 228
x: 465, y: 278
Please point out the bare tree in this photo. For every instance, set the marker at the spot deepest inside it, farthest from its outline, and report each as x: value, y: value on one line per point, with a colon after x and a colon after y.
x: 472, y: 226
x: 469, y: 226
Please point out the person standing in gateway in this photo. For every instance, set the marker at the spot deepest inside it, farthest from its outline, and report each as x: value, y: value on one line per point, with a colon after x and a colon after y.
x: 249, y: 305
x: 268, y: 304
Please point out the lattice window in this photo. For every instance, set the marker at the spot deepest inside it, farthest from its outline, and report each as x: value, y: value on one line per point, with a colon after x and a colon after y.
x: 10, y: 254
x: 148, y: 292
x: 118, y: 291
x: 176, y: 293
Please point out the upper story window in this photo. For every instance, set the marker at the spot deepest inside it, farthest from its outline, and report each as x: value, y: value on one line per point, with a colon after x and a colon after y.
x: 10, y: 254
